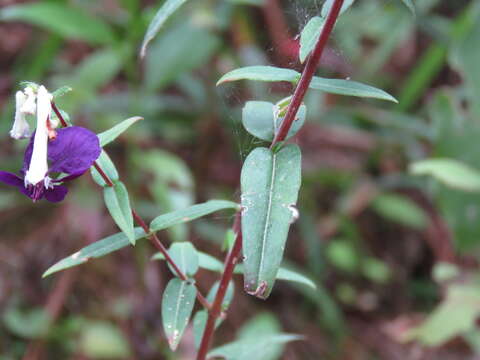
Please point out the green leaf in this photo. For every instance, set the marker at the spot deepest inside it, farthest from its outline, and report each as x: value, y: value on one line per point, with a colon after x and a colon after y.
x: 66, y: 21
x: 375, y: 270
x: 290, y: 275
x: 118, y: 204
x: 191, y: 213
x: 102, y: 340
x: 61, y: 91
x: 259, y: 119
x: 205, y: 261
x: 270, y: 183
x: 108, y: 136
x: 455, y: 316
x: 96, y: 250
x: 94, y: 71
x: 311, y: 32
x: 177, y: 306
x: 451, y: 172
x: 252, y: 348
x: 107, y: 166
x: 199, y: 323
x: 183, y: 48
x: 185, y: 256
x: 162, y: 15
x: 343, y: 255
x: 349, y: 88
x: 29, y: 324
x: 264, y: 324
x: 328, y: 5
x: 401, y: 210
x: 228, y: 295
x: 260, y: 73
x: 208, y: 262
x: 409, y: 4
x: 309, y: 36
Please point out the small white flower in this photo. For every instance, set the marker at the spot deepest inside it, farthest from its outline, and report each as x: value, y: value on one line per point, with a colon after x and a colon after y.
x: 38, y: 166
x: 29, y: 106
x: 20, y: 129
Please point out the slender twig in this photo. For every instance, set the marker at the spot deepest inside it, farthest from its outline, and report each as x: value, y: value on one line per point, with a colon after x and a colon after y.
x: 102, y: 173
x: 216, y: 309
x: 59, y: 115
x: 151, y: 236
x: 158, y: 244
x: 308, y: 72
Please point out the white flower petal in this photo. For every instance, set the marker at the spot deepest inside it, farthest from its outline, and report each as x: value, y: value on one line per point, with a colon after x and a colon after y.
x: 38, y: 167
x: 20, y: 129
x: 29, y: 106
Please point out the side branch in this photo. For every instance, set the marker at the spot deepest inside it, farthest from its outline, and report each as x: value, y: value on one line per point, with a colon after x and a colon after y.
x: 152, y: 236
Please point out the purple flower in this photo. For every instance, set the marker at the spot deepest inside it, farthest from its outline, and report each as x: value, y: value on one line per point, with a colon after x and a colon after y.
x: 70, y: 154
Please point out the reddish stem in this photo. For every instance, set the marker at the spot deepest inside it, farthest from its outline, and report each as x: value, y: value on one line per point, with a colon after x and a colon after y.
x: 158, y: 244
x: 297, y: 99
x: 59, y: 115
x: 216, y: 309
x: 102, y: 173
x: 308, y: 73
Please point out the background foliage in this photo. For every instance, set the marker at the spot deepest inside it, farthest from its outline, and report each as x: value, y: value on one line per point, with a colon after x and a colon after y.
x: 389, y: 201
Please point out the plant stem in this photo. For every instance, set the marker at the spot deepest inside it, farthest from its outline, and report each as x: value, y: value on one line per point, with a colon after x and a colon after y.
x: 216, y: 309
x: 158, y: 244
x: 297, y: 99
x: 151, y: 236
x: 307, y: 73
x: 102, y: 173
x: 59, y: 115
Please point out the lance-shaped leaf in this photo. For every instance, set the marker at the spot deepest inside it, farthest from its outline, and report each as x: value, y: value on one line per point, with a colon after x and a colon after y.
x: 270, y: 183
x: 261, y: 73
x: 311, y: 32
x: 64, y: 20
x: 451, y: 172
x: 107, y: 166
x: 410, y: 5
x: 118, y: 204
x: 191, y: 213
x: 162, y: 15
x: 349, y: 88
x: 208, y: 262
x: 252, y: 348
x: 108, y: 136
x: 61, y: 91
x: 185, y: 256
x: 96, y: 250
x: 309, y: 36
x: 259, y: 119
x: 118, y: 241
x: 177, y: 305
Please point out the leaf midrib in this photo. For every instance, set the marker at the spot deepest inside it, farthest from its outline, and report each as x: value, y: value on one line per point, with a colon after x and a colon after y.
x: 177, y: 310
x: 267, y: 218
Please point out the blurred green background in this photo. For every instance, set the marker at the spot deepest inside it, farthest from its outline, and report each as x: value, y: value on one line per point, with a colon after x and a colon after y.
x: 394, y: 254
